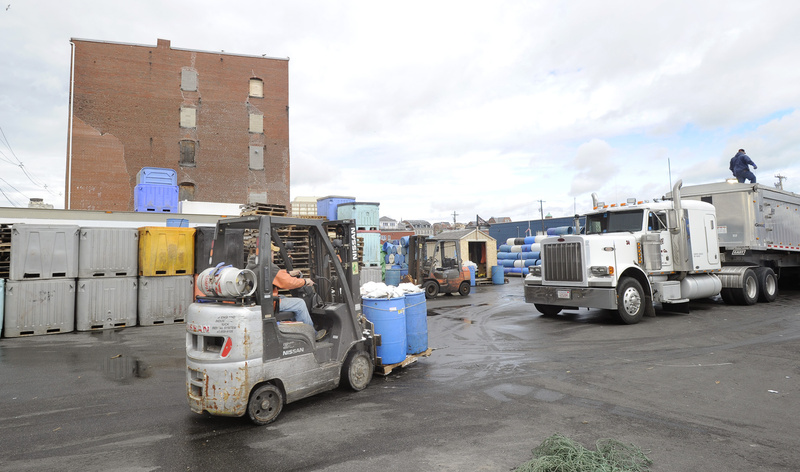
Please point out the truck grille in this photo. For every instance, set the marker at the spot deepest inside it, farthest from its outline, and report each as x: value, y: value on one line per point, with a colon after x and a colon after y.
x: 562, y: 262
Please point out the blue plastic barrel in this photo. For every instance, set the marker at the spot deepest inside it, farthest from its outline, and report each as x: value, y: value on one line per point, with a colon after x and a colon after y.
x: 393, y: 276
x: 498, y: 276
x: 530, y: 239
x: 416, y: 323
x: 471, y: 275
x: 389, y: 317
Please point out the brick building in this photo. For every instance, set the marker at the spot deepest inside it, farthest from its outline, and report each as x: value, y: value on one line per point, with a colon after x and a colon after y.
x: 220, y: 120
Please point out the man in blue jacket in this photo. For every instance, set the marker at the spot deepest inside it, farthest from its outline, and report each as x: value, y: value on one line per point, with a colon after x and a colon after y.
x: 739, y: 167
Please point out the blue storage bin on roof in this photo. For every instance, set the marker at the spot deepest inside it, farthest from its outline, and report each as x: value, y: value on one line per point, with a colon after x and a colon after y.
x: 365, y: 214
x: 326, y: 206
x: 155, y: 198
x: 157, y: 176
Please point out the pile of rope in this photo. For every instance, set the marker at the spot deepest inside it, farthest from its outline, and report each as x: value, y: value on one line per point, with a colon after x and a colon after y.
x: 559, y: 453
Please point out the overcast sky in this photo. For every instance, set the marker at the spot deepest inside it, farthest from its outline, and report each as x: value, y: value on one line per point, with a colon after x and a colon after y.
x: 434, y: 107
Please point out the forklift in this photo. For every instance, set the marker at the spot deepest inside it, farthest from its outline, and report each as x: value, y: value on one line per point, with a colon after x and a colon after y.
x: 436, y: 266
x: 246, y: 357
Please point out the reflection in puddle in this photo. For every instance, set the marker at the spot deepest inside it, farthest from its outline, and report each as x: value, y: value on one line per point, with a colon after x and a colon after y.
x: 121, y: 368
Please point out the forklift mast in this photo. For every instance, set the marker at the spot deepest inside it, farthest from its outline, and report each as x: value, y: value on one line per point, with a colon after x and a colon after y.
x: 426, y: 254
x: 325, y: 252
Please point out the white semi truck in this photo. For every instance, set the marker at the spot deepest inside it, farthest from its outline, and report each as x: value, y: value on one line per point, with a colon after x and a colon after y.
x: 730, y: 239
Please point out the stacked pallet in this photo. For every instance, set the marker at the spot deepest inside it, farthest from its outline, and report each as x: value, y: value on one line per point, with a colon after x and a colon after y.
x: 5, y: 251
x: 268, y: 209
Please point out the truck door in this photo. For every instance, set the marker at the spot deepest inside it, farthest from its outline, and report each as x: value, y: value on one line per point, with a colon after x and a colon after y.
x: 712, y: 245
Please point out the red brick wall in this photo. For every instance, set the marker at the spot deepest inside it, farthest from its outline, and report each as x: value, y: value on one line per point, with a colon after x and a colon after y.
x: 126, y: 115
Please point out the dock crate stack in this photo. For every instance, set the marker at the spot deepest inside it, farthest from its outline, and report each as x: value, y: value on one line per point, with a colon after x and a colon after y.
x: 156, y: 190
x: 107, y: 288
x: 40, y: 290
x: 367, y: 218
x: 166, y: 274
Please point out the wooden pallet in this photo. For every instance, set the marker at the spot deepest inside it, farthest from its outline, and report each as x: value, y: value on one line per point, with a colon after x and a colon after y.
x: 5, y: 251
x: 410, y: 359
x: 264, y: 209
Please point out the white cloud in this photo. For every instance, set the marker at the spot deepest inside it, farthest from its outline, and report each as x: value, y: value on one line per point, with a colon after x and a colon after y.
x: 431, y: 108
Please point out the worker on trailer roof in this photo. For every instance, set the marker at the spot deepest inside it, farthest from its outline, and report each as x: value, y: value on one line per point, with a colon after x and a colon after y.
x: 740, y: 167
x: 288, y: 281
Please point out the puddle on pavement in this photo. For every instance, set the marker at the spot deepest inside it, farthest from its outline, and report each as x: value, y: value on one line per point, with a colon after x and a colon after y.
x: 440, y: 310
x: 122, y: 368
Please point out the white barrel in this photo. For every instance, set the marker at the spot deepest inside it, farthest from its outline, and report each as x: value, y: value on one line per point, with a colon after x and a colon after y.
x: 233, y: 282
x: 205, y: 282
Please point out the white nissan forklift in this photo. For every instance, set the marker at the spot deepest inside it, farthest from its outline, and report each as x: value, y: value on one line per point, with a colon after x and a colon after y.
x: 246, y: 357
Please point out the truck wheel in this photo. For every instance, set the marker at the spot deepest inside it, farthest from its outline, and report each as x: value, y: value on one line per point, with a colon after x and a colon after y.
x: 357, y: 370
x: 266, y: 403
x: 727, y: 296
x: 767, y: 285
x: 748, y: 293
x: 630, y: 300
x: 431, y: 288
x: 463, y: 289
x: 547, y: 310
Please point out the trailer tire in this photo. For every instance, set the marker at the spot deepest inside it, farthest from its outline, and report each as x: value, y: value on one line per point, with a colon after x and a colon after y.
x: 767, y: 285
x: 431, y: 288
x: 266, y: 403
x: 630, y: 300
x: 748, y: 293
x: 547, y: 310
x: 464, y: 289
x: 357, y: 370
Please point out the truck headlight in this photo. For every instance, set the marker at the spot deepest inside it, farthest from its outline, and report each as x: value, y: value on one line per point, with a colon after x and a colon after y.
x: 601, y: 271
x: 535, y: 271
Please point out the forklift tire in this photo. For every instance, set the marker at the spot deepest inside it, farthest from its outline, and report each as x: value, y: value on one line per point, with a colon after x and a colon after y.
x: 357, y: 370
x: 431, y: 288
x: 463, y: 289
x: 266, y: 403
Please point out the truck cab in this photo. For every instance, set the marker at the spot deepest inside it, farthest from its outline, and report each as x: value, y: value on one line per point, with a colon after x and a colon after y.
x: 630, y: 256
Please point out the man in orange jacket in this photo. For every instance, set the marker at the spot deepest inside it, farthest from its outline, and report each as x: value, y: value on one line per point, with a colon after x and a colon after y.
x: 289, y: 281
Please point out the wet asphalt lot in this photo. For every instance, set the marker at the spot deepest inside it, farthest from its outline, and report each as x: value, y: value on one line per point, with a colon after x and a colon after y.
x: 713, y: 390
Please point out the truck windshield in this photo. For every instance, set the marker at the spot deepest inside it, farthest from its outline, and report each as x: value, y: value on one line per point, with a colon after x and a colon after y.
x: 614, y: 222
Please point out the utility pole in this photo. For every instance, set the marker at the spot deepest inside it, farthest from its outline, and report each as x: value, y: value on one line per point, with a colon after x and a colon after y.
x: 454, y: 218
x: 541, y: 213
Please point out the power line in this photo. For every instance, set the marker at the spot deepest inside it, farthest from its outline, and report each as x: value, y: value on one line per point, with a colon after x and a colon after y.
x: 20, y: 164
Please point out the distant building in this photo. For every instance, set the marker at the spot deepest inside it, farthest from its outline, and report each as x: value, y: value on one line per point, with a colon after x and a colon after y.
x: 387, y: 224
x: 442, y: 226
x: 220, y: 120
x: 420, y: 227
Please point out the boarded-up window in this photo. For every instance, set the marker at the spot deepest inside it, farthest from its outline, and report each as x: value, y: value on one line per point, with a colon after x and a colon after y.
x: 256, y: 123
x: 188, y: 149
x: 257, y: 88
x: 189, y: 80
x: 186, y: 191
x: 256, y: 157
x: 188, y: 117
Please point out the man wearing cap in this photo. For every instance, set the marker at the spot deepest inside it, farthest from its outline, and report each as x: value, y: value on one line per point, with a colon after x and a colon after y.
x: 289, y: 281
x: 739, y: 167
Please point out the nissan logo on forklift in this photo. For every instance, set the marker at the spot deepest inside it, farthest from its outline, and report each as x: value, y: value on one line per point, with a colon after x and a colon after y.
x: 246, y: 357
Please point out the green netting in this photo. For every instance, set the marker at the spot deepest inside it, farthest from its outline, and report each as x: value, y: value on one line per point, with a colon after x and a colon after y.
x: 559, y: 453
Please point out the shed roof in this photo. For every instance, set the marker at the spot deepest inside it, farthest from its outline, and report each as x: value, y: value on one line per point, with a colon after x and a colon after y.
x: 457, y: 234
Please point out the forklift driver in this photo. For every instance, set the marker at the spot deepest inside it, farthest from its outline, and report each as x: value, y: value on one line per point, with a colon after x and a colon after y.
x: 288, y: 281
